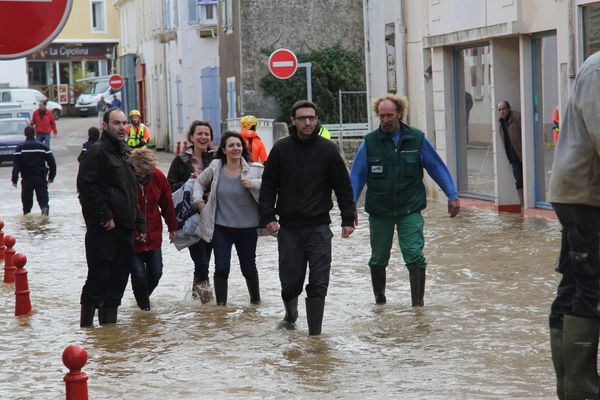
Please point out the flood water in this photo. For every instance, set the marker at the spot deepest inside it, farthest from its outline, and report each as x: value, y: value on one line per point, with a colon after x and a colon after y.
x: 481, y: 335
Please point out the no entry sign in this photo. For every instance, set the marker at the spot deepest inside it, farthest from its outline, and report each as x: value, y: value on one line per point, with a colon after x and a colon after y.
x: 28, y: 25
x: 115, y: 82
x: 283, y: 63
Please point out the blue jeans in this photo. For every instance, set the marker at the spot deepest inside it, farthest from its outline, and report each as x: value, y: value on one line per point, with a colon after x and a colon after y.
x: 200, y: 253
x: 244, y: 241
x: 43, y: 138
x: 146, y: 271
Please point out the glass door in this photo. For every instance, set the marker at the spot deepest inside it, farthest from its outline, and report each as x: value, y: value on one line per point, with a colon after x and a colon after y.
x: 545, y: 112
x: 472, y: 73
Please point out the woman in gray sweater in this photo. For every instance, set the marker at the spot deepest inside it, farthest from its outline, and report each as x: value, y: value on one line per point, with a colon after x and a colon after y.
x: 230, y: 215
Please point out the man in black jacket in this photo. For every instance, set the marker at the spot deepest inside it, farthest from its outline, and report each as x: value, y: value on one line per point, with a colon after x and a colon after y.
x: 297, y: 182
x: 107, y: 193
x: 33, y: 160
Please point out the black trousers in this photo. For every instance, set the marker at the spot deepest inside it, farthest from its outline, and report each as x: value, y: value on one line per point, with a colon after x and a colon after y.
x: 37, y: 184
x: 578, y: 292
x: 109, y: 257
x: 299, y: 248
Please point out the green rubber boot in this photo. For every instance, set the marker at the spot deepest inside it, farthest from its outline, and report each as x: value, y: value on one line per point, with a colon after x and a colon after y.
x: 314, y: 314
x: 580, y: 357
x: 556, y: 349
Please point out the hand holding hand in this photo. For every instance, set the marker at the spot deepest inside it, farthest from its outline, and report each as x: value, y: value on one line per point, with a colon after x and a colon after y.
x: 247, y: 183
x: 273, y: 228
x: 193, y: 175
x: 200, y: 206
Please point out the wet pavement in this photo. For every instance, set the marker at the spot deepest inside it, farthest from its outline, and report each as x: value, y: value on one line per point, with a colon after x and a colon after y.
x: 481, y: 335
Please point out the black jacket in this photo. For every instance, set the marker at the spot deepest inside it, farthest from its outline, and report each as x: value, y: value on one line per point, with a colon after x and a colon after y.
x: 84, y: 148
x: 298, y: 180
x: 181, y: 168
x: 33, y: 158
x: 107, y: 186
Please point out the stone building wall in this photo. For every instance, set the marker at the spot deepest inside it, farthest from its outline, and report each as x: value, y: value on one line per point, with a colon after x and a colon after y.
x: 297, y: 26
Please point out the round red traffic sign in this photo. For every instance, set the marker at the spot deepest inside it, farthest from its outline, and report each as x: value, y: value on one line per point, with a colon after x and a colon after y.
x: 27, y: 26
x: 283, y: 63
x: 115, y: 82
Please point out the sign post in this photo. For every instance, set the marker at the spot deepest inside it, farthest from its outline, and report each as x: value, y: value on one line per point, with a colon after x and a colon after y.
x: 29, y: 25
x: 283, y: 65
x: 115, y: 82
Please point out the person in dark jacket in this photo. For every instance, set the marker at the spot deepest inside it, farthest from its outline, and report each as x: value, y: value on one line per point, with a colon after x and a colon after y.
x: 297, y: 184
x: 107, y: 192
x: 154, y: 199
x: 188, y: 165
x: 93, y: 136
x: 33, y: 160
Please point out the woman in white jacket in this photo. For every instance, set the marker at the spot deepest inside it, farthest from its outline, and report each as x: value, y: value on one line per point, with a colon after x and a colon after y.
x: 230, y: 215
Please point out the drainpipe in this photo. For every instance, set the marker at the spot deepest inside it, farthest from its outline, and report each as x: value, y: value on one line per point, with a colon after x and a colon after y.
x: 572, y: 70
x: 402, y: 53
x: 366, y: 33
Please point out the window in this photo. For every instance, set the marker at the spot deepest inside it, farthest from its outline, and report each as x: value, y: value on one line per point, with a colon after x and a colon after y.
x: 98, y: 16
x: 227, y: 15
x: 231, y: 97
x: 591, y: 29
x: 203, y: 12
x: 170, y: 18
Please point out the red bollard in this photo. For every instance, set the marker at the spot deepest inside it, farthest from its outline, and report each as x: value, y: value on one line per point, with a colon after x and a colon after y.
x: 185, y: 146
x: 178, y: 148
x: 22, y: 301
x: 74, y: 357
x: 2, y: 246
x: 9, y: 268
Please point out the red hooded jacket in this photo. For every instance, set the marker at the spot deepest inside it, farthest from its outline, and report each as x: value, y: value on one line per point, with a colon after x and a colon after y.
x: 155, y: 194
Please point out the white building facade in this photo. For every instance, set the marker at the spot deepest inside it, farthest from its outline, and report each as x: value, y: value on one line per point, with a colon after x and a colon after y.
x: 456, y: 59
x: 169, y: 54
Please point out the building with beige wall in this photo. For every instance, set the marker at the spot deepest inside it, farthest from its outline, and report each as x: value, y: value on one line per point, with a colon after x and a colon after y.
x: 456, y: 59
x: 86, y: 47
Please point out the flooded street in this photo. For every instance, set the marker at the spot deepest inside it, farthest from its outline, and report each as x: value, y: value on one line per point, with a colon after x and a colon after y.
x: 481, y: 335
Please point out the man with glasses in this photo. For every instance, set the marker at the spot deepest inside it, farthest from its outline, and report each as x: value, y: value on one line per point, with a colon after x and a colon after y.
x: 391, y: 162
x: 297, y: 182
x: 510, y: 132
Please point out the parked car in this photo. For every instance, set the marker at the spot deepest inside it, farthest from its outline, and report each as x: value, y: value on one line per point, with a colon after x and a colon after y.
x: 16, y: 113
x: 96, y: 87
x: 11, y: 135
x: 29, y: 98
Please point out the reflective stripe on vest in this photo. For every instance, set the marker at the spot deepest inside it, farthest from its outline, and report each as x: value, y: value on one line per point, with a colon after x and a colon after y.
x: 135, y: 138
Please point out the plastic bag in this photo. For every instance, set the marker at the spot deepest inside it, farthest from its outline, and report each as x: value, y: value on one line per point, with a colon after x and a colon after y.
x: 188, y: 220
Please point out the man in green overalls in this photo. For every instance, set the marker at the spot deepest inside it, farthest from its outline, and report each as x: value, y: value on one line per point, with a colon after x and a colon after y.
x: 391, y: 161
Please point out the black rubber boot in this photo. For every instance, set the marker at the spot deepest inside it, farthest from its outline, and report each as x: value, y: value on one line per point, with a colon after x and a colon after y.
x: 253, y: 290
x: 107, y: 315
x: 291, y: 314
x: 580, y: 357
x: 221, y: 290
x: 87, y: 315
x: 142, y: 298
x: 417, y: 286
x: 378, y: 282
x: 314, y: 314
x: 557, y: 359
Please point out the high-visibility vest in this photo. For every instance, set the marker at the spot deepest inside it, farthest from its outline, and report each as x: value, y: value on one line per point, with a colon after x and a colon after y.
x: 135, y: 138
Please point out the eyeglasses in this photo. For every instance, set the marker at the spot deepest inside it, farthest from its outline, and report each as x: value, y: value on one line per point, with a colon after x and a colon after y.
x: 310, y: 118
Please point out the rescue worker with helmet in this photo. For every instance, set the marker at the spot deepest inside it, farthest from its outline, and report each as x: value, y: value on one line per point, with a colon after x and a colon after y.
x: 138, y: 133
x: 256, y: 147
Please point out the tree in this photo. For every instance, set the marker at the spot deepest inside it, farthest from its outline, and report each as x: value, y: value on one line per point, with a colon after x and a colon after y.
x: 333, y: 69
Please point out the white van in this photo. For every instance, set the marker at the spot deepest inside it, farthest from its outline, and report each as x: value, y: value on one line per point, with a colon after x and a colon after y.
x: 29, y: 98
x: 96, y: 87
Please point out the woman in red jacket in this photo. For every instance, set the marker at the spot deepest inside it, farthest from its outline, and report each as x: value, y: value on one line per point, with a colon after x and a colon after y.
x: 154, y: 199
